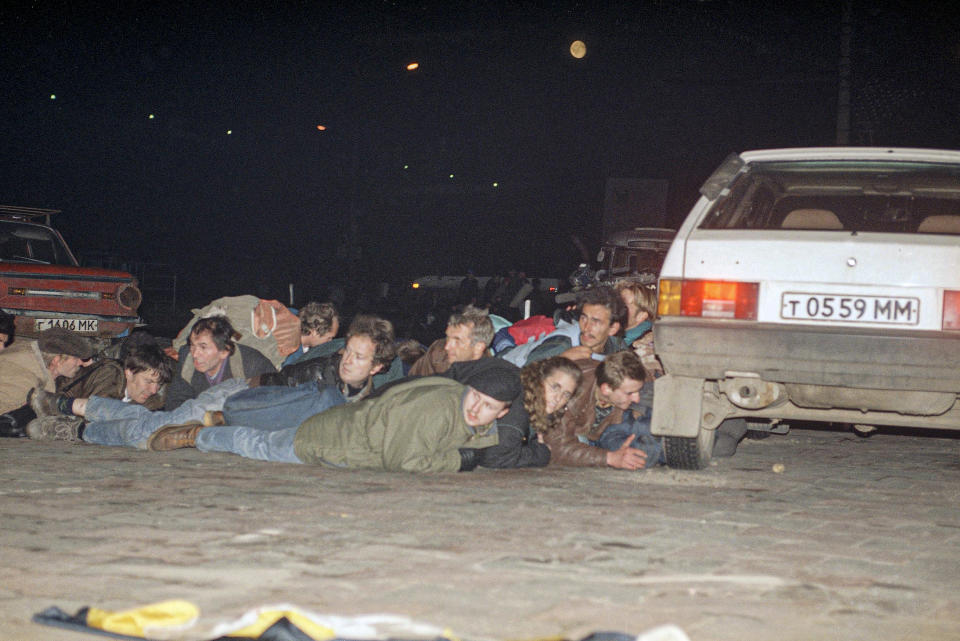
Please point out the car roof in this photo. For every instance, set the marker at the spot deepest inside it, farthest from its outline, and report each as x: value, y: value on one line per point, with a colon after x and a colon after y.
x: 641, y: 233
x: 852, y: 153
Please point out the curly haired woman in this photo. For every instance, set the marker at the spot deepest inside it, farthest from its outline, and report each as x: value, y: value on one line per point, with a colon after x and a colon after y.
x: 547, y: 387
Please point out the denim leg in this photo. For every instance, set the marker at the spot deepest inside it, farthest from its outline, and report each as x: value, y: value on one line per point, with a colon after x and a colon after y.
x: 614, y: 436
x: 264, y: 445
x: 276, y: 408
x: 113, y: 422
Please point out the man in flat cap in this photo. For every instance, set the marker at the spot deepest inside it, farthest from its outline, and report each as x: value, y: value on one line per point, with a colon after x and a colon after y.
x: 429, y: 424
x: 36, y: 363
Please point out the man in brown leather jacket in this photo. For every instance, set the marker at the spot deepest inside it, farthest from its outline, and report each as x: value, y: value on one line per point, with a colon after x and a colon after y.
x: 468, y: 337
x: 606, y: 390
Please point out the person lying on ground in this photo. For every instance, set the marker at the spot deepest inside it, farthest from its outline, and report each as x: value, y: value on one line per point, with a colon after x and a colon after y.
x: 429, y: 424
x: 468, y: 337
x: 28, y: 363
x: 601, y: 314
x: 548, y: 386
x: 210, y: 357
x: 641, y: 303
x: 299, y: 391
x: 61, y: 417
x: 319, y: 324
x: 346, y: 377
x: 141, y: 366
x: 607, y: 390
x: 110, y: 421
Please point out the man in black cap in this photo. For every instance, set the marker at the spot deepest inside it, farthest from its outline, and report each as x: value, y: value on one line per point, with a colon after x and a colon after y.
x: 36, y: 363
x: 429, y: 424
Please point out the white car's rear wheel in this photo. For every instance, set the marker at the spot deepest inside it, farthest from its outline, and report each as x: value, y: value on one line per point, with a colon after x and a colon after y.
x: 689, y: 453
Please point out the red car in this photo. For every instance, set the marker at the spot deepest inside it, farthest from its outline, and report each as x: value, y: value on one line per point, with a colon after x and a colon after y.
x: 42, y: 284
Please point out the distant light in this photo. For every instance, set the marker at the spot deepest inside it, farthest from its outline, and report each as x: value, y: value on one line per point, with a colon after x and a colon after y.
x: 53, y: 96
x: 150, y: 116
x: 451, y: 175
x: 496, y: 184
x: 578, y: 49
x: 322, y: 127
x: 229, y: 131
x: 415, y: 285
x: 413, y: 66
x: 406, y: 166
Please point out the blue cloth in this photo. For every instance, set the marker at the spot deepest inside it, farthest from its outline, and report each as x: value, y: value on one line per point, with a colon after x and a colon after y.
x: 251, y: 442
x: 636, y: 421
x: 113, y: 422
x: 275, y: 408
x: 519, y: 354
x: 502, y: 340
x: 262, y: 422
x: 324, y: 349
x: 634, y: 333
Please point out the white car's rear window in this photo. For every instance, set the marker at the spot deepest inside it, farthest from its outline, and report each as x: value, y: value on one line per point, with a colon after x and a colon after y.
x: 902, y: 197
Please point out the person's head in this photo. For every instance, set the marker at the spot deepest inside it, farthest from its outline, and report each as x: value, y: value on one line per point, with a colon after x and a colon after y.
x: 410, y: 350
x: 602, y: 314
x: 212, y: 340
x: 63, y: 351
x: 145, y: 369
x: 547, y: 387
x: 492, y: 385
x: 469, y: 334
x: 319, y: 323
x: 619, y: 379
x: 7, y: 329
x: 369, y: 349
x: 640, y: 300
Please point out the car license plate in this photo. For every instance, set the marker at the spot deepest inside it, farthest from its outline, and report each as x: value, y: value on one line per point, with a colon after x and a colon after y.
x: 891, y: 310
x: 79, y: 325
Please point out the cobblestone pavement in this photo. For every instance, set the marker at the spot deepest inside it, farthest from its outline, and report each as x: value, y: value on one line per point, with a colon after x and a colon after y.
x: 857, y: 538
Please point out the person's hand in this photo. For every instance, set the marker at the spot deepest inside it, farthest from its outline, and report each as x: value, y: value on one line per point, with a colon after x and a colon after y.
x: 541, y: 440
x: 627, y: 458
x: 576, y: 353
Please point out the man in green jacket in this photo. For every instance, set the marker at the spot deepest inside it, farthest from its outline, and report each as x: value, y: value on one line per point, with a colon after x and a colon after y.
x: 429, y: 424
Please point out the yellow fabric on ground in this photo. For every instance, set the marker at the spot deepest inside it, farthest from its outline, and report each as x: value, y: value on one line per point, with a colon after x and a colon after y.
x: 134, y: 622
x: 305, y: 624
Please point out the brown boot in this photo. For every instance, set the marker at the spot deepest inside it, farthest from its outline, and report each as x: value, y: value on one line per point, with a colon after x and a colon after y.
x: 213, y: 417
x: 174, y: 437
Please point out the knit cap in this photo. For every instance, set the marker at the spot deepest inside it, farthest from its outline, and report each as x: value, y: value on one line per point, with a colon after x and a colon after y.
x: 494, y: 377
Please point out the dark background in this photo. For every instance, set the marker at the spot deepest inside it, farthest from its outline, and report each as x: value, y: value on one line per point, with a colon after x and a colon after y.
x: 667, y: 89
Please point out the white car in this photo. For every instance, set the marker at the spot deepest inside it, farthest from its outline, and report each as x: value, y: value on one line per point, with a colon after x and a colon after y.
x: 817, y: 285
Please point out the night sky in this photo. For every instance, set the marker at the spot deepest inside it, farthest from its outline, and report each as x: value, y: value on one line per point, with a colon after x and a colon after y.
x: 666, y: 90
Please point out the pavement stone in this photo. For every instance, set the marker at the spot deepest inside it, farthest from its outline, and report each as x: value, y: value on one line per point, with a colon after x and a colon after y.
x: 857, y: 538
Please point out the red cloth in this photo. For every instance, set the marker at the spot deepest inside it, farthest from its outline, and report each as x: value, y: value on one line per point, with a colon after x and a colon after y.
x: 533, y: 327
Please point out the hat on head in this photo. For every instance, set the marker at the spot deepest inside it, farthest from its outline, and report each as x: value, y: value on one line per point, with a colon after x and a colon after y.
x: 59, y: 340
x: 494, y: 377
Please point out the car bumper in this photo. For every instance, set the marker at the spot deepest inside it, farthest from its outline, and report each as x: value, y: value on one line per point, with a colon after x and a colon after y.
x: 834, y: 356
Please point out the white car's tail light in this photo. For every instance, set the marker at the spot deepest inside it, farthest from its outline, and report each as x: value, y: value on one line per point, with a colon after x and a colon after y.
x: 708, y: 299
x: 951, y: 310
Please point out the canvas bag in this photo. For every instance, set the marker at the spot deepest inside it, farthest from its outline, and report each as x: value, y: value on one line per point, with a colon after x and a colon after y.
x: 265, y: 325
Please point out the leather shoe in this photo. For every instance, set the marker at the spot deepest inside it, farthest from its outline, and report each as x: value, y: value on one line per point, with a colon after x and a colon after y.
x: 174, y: 437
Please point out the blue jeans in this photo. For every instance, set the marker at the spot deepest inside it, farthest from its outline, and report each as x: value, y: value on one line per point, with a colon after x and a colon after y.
x: 274, y: 408
x: 113, y: 422
x: 263, y: 421
x: 251, y: 442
